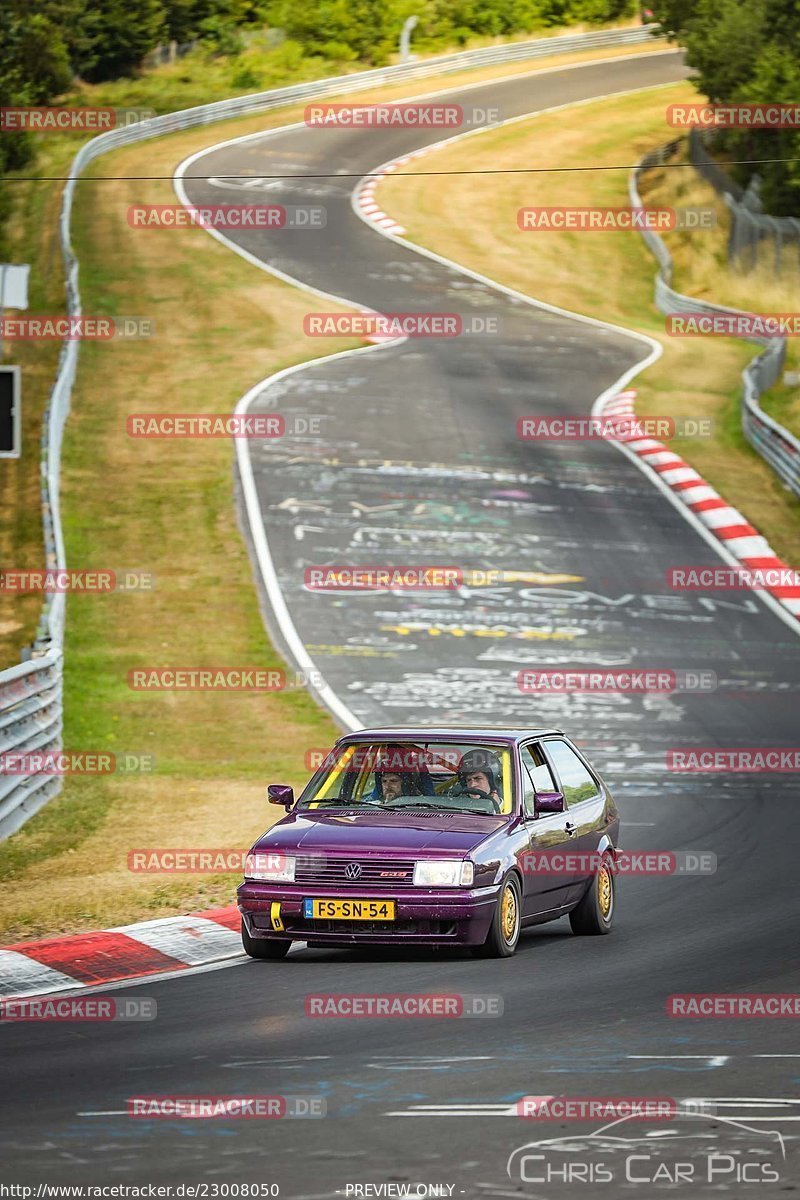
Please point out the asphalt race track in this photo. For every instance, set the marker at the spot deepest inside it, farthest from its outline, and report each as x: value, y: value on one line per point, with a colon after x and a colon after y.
x: 418, y: 462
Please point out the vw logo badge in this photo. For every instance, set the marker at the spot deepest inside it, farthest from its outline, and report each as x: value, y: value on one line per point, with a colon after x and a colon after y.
x: 353, y: 871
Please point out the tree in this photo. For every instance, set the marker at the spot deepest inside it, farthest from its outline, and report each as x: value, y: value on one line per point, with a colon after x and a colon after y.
x: 117, y: 35
x: 747, y: 52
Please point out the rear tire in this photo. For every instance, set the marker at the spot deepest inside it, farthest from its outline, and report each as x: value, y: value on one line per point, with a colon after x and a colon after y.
x: 503, y: 936
x: 595, y: 913
x: 270, y: 948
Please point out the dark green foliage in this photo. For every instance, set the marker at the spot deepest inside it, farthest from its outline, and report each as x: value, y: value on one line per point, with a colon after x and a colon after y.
x: 747, y: 51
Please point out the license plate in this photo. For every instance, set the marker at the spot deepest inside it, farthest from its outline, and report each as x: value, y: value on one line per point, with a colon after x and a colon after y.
x: 350, y: 910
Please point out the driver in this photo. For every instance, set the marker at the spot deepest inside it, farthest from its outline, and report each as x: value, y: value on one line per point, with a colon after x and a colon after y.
x: 480, y: 771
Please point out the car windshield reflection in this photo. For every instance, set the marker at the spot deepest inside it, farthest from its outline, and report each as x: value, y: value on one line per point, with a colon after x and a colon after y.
x: 435, y: 777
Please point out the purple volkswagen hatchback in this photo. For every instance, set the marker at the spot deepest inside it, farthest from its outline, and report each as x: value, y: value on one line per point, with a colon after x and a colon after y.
x: 450, y: 836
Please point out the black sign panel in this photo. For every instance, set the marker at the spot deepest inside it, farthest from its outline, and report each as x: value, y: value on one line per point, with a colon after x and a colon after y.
x: 9, y: 412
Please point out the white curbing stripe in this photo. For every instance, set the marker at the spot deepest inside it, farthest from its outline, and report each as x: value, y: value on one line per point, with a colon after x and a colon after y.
x: 23, y: 976
x: 678, y: 475
x: 167, y: 946
x: 702, y: 504
x: 718, y: 518
x: 191, y: 940
x: 750, y: 547
x: 699, y: 494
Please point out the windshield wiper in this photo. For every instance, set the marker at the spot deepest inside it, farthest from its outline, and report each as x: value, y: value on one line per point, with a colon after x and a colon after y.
x: 333, y: 800
x: 442, y: 808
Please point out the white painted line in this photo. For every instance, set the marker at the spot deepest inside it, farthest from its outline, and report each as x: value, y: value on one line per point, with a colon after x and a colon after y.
x: 713, y: 1060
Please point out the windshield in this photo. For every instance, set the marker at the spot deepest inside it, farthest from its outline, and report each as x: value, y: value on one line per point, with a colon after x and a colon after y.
x: 444, y: 776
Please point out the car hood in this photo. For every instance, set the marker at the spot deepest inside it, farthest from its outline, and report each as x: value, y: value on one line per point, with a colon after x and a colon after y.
x: 378, y: 833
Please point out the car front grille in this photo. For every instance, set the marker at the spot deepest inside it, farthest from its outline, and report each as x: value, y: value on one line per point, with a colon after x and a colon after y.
x: 389, y: 874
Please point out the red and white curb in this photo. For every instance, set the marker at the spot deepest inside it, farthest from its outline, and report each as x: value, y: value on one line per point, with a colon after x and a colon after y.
x: 726, y: 523
x: 364, y: 198
x: 127, y: 952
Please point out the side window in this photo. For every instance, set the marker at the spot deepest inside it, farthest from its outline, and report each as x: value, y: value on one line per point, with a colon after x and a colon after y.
x: 536, y: 776
x: 576, y: 782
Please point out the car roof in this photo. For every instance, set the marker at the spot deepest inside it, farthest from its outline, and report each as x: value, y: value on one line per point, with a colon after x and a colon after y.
x: 441, y: 733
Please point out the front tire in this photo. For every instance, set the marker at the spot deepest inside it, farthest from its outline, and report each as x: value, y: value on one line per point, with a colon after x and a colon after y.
x: 270, y: 948
x: 595, y: 913
x: 504, y: 931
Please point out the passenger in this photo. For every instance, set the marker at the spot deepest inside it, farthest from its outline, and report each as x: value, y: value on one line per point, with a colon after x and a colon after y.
x: 399, y: 772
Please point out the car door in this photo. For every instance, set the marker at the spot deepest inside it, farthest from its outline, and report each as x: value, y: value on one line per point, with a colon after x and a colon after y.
x: 547, y: 835
x: 585, y: 802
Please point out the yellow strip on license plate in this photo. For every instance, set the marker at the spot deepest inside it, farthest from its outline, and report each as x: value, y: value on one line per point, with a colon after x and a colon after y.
x: 352, y: 910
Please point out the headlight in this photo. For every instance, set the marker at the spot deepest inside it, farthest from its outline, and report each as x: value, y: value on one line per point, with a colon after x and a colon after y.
x: 269, y: 867
x: 443, y: 872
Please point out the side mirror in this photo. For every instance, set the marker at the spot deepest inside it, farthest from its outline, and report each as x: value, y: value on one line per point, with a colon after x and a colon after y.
x: 548, y: 802
x: 280, y: 793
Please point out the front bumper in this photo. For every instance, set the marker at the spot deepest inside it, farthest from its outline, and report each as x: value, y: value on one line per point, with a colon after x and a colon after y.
x: 459, y: 917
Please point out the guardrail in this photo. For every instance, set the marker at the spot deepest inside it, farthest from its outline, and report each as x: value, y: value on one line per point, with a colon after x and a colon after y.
x: 30, y: 723
x: 21, y: 796
x: 774, y: 443
x: 750, y: 227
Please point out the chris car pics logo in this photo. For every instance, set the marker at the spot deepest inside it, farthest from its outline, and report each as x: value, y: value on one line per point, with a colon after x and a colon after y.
x: 701, y: 1149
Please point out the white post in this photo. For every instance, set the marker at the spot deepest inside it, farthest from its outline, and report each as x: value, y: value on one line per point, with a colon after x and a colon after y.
x: 405, y: 39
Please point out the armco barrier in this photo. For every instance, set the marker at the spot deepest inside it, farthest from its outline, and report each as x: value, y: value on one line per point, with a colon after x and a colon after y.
x: 21, y: 796
x: 750, y: 227
x: 30, y: 720
x: 774, y: 443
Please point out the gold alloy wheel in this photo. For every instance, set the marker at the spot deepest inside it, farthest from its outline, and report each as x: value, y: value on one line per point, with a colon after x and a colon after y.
x: 508, y: 913
x: 605, y: 893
